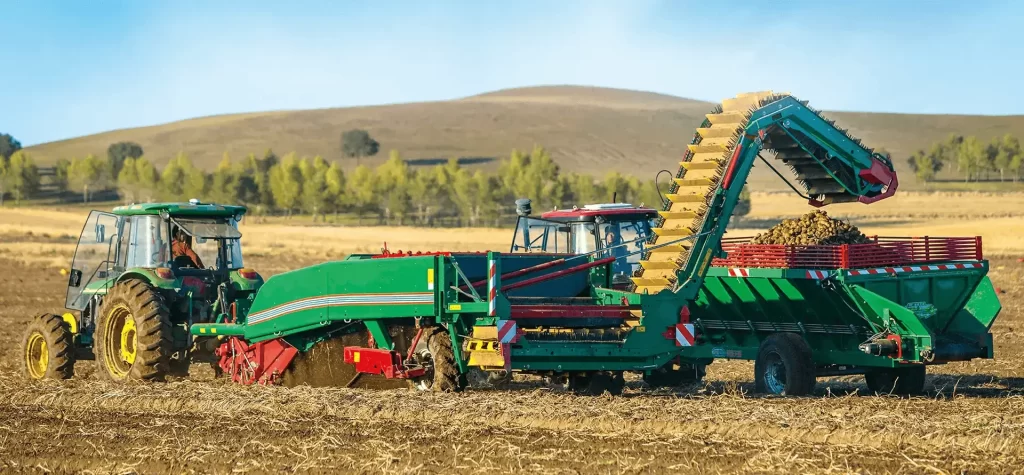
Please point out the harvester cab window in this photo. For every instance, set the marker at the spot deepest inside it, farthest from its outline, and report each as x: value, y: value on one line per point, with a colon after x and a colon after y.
x: 584, y: 238
x: 94, y: 257
x: 630, y: 233
x: 538, y: 235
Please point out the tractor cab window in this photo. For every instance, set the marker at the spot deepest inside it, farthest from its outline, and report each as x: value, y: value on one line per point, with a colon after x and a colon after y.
x: 208, y: 237
x: 147, y: 243
x: 539, y: 235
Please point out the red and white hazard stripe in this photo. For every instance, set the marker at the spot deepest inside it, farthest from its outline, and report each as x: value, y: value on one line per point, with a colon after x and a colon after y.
x: 492, y: 288
x: 898, y: 270
x: 507, y: 331
x: 817, y: 274
x: 739, y: 272
x: 684, y: 334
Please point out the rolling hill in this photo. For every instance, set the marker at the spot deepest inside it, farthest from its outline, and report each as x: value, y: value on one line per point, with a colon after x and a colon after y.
x: 587, y: 129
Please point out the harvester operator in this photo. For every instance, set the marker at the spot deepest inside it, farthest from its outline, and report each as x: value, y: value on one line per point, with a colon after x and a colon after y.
x: 181, y: 246
x: 611, y: 238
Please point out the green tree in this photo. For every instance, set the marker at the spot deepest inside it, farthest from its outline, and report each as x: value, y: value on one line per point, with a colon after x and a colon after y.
x: 423, y: 192
x: 357, y: 143
x: 60, y: 175
x: 286, y: 183
x: 149, y: 180
x: 393, y: 188
x: 1008, y: 151
x: 8, y: 145
x: 225, y: 185
x: 118, y: 152
x: 5, y: 179
x: 24, y: 176
x: 336, y: 197
x: 128, y: 180
x: 181, y: 180
x: 315, y: 195
x: 924, y: 165
x: 88, y: 174
x: 361, y: 191
x: 970, y: 157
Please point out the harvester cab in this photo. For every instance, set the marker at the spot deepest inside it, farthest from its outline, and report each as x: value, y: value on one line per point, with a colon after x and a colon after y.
x: 619, y: 230
x: 142, y: 274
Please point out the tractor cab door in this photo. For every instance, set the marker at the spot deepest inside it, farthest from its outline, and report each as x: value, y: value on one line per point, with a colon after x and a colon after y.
x: 624, y: 239
x: 95, y: 259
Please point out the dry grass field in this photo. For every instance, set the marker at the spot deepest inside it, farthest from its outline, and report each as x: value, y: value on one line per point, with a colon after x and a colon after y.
x: 587, y: 129
x: 970, y: 421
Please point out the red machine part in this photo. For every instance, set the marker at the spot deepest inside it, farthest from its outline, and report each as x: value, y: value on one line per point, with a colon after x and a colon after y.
x: 899, y: 345
x: 261, y: 363
x: 885, y: 251
x: 383, y: 362
x: 879, y: 174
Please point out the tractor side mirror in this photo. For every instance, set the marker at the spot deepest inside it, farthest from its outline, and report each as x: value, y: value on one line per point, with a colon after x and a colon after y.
x: 75, y: 278
x: 101, y: 233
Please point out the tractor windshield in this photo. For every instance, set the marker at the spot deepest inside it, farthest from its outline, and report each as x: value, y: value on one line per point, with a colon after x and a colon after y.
x: 210, y: 236
x: 209, y: 228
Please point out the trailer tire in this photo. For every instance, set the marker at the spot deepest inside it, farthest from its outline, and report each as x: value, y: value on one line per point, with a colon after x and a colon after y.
x: 597, y: 382
x: 784, y: 366
x: 49, y: 348
x: 133, y: 337
x: 446, y: 375
x: 907, y: 381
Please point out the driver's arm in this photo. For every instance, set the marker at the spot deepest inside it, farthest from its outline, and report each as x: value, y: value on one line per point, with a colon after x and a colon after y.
x: 195, y: 257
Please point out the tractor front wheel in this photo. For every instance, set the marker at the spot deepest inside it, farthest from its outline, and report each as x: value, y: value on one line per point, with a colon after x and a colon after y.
x: 133, y: 337
x: 784, y: 366
x: 434, y: 351
x: 49, y: 348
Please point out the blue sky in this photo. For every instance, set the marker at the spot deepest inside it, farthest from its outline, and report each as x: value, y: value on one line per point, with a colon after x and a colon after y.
x: 75, y: 68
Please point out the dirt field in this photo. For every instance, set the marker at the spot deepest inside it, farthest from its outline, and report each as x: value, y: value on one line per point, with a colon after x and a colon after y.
x: 971, y: 420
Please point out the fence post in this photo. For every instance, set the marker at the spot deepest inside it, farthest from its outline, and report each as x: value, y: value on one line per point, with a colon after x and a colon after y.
x: 844, y: 256
x: 927, y: 250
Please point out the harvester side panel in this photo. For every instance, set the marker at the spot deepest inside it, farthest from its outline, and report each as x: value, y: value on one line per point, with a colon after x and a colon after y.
x: 337, y: 291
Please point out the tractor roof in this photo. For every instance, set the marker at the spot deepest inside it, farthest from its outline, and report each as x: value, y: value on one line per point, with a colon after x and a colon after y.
x: 589, y: 212
x: 181, y: 209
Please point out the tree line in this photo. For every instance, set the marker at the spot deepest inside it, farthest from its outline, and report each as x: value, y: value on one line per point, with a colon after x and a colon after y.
x: 392, y: 193
x: 971, y: 158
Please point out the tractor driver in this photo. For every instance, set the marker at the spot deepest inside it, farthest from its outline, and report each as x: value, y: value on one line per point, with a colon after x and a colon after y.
x: 611, y: 238
x: 181, y: 246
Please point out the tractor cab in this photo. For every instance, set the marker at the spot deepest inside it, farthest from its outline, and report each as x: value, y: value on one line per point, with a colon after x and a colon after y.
x: 612, y: 229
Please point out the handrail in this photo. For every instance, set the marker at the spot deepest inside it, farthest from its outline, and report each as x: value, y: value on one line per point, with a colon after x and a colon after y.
x: 884, y: 251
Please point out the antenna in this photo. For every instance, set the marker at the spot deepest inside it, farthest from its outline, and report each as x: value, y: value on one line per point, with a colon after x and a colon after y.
x: 615, y: 195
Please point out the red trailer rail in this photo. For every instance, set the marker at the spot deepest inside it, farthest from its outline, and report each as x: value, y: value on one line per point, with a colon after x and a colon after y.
x: 884, y: 251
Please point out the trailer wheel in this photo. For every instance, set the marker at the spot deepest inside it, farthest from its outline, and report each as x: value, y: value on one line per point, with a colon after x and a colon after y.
x: 597, y: 382
x: 49, y: 348
x: 672, y: 375
x: 437, y: 354
x: 784, y: 366
x: 907, y: 381
x: 133, y: 336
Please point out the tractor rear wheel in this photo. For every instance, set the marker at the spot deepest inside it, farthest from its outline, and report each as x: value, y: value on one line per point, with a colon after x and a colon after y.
x: 133, y: 338
x: 435, y: 352
x: 784, y: 366
x: 49, y: 348
x: 907, y: 381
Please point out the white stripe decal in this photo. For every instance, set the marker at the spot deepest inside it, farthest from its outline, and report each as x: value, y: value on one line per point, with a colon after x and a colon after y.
x: 897, y: 270
x: 339, y: 300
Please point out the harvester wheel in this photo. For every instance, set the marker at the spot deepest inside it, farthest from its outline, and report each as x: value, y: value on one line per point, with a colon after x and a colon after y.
x: 596, y: 383
x: 49, y: 348
x: 900, y: 381
x: 437, y: 354
x: 133, y: 333
x: 784, y: 366
x: 673, y: 374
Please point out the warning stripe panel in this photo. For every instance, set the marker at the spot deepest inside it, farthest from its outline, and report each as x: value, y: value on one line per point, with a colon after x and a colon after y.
x: 902, y: 269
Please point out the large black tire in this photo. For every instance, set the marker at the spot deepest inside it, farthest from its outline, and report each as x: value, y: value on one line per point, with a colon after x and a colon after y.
x: 444, y: 375
x: 49, y: 348
x: 672, y: 375
x: 907, y: 381
x: 784, y: 366
x: 151, y: 342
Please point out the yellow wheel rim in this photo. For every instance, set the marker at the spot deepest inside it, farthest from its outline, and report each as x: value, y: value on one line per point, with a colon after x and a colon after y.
x: 36, y: 356
x: 128, y: 341
x: 119, y: 341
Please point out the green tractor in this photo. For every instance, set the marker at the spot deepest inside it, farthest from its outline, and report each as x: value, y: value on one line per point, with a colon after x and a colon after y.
x: 140, y: 277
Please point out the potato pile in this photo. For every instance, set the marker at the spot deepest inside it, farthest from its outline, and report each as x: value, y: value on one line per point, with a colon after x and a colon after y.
x: 814, y: 228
